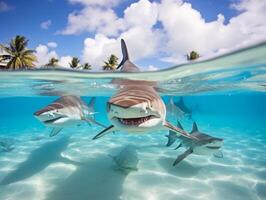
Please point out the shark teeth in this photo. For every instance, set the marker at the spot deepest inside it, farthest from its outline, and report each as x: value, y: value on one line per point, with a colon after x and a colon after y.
x: 134, y: 121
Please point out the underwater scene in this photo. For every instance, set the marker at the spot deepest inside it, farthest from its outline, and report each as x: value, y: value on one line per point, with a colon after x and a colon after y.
x: 193, y: 131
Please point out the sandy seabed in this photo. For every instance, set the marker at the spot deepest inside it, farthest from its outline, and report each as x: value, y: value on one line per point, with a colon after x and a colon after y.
x: 73, y: 167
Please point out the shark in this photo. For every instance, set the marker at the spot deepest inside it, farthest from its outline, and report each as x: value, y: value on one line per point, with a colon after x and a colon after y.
x: 173, y: 109
x: 127, y: 159
x: 64, y: 112
x: 136, y: 107
x: 6, y: 145
x: 183, y: 107
x: 203, y: 144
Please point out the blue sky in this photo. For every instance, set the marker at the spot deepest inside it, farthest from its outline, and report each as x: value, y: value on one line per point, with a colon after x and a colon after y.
x: 25, y: 18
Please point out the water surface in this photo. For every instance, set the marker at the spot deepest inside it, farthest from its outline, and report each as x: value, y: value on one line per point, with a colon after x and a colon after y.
x: 227, y: 98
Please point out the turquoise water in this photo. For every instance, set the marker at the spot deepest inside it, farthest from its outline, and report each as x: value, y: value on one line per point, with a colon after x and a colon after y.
x: 227, y: 98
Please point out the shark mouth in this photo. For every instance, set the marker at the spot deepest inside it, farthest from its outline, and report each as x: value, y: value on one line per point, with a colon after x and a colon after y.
x: 49, y: 121
x: 212, y: 147
x: 134, y: 121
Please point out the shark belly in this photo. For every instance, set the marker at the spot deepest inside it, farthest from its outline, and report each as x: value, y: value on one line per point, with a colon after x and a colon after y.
x: 201, y: 150
x: 64, y: 122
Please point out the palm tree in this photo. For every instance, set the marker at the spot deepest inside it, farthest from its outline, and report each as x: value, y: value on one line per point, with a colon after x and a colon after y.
x: 53, y: 62
x: 193, y: 55
x: 86, y: 66
x: 111, y: 63
x: 17, y: 54
x: 74, y: 62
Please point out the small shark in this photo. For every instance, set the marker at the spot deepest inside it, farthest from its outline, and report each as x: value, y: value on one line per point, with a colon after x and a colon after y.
x: 127, y: 159
x: 204, y: 145
x: 64, y: 112
x: 91, y: 107
x: 136, y: 108
x: 183, y: 107
x: 173, y: 109
x: 6, y: 145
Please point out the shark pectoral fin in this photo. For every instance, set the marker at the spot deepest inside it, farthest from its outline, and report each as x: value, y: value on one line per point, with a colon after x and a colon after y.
x: 90, y: 120
x: 178, y: 130
x: 104, y: 132
x: 180, y: 145
x: 55, y: 131
x: 182, y: 156
x: 171, y: 138
x: 218, y: 154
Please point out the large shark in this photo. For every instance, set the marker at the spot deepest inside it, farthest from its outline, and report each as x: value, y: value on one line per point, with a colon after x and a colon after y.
x: 64, y: 112
x: 136, y: 108
x: 203, y: 144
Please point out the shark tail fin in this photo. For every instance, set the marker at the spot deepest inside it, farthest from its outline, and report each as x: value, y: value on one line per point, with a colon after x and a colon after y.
x: 124, y: 52
x: 92, y: 102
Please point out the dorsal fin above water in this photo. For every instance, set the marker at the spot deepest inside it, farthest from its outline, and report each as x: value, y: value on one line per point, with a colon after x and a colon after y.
x: 195, y: 128
x: 126, y: 65
x: 124, y: 52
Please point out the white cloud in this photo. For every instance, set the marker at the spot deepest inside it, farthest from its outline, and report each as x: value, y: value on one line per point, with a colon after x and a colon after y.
x: 43, y: 54
x: 142, y: 40
x: 64, y: 61
x: 182, y: 29
x: 103, y: 21
x: 141, y: 43
x: 142, y: 13
x: 52, y: 44
x: 46, y: 24
x: 186, y: 29
x: 4, y: 7
x: 97, y: 49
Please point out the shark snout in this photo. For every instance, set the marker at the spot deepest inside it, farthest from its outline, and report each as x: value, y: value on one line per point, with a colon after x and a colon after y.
x: 129, y: 112
x: 215, y: 144
x: 42, y: 111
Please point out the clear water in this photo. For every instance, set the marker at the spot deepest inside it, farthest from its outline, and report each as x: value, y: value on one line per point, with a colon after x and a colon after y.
x: 227, y: 97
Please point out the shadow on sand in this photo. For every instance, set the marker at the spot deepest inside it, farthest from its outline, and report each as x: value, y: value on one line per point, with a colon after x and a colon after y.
x: 38, y: 160
x: 96, y: 179
x: 183, y: 169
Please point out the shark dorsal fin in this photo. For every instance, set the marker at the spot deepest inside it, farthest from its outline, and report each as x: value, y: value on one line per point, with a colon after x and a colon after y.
x: 124, y: 52
x: 179, y: 125
x: 195, y: 128
x: 92, y: 102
